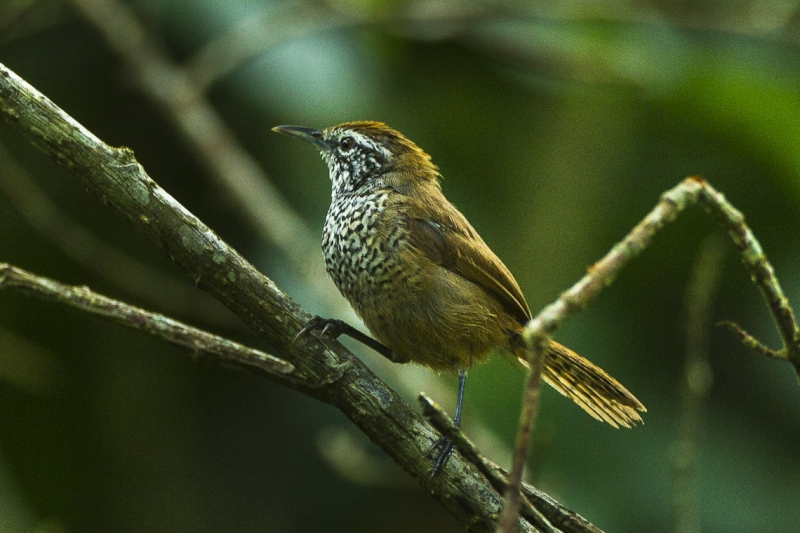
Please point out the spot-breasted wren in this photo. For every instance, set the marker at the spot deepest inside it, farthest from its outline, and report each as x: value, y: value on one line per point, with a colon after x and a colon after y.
x: 422, y: 279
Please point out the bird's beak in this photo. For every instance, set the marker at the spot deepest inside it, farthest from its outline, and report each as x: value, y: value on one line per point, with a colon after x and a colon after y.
x: 306, y: 134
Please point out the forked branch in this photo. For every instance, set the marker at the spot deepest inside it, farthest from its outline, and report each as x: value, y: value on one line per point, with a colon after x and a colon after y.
x: 537, y: 332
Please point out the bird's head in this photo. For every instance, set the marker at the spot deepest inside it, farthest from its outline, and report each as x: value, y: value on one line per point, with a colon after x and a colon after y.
x: 364, y: 155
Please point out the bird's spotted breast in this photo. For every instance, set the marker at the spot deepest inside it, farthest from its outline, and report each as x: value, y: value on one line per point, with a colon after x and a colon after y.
x: 357, y: 256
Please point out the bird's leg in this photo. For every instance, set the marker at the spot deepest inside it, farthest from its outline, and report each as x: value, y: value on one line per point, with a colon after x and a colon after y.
x: 335, y: 328
x: 444, y: 442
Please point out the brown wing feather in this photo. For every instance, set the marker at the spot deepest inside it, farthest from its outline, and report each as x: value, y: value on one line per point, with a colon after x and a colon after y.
x: 448, y: 239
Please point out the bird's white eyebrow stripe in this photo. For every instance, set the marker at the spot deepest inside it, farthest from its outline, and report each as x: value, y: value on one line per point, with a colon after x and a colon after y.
x: 366, y: 141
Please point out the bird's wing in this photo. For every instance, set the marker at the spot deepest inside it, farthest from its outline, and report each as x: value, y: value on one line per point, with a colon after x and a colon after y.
x: 446, y: 237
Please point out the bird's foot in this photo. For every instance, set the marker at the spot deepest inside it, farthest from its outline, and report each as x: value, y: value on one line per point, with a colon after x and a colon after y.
x: 336, y: 328
x: 332, y: 326
x: 446, y: 446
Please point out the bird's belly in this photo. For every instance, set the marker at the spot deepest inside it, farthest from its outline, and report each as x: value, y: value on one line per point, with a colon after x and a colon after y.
x: 438, y: 320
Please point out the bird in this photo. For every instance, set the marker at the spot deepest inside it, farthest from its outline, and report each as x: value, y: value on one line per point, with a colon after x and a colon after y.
x: 421, y: 278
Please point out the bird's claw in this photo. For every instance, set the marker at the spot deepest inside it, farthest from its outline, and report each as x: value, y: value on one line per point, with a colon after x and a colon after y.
x: 328, y: 325
x: 441, y: 460
x: 308, y: 327
x: 325, y: 330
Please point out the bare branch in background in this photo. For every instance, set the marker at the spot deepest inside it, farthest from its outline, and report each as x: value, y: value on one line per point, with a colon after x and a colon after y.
x: 294, y: 21
x: 696, y: 383
x: 24, y: 17
x: 106, y: 261
x: 485, y: 29
x: 255, y: 36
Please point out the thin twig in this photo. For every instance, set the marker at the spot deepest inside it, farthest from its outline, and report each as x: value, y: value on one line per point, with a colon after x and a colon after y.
x: 689, y: 192
x: 527, y: 417
x: 750, y: 341
x: 761, y: 272
x: 696, y: 383
x: 159, y: 326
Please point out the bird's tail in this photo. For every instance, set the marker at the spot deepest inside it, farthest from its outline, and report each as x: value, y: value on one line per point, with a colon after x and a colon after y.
x: 590, y: 387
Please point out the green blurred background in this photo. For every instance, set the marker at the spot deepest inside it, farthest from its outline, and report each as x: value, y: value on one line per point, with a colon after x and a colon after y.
x: 556, y: 127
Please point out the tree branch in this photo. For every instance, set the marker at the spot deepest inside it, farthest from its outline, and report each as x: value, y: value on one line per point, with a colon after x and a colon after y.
x: 330, y: 373
x: 217, y: 348
x: 549, y: 516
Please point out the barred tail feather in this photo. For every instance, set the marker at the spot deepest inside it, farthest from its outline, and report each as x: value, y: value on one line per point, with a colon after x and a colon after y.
x: 590, y: 387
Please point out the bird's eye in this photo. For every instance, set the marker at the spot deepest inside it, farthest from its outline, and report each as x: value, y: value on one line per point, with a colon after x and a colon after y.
x: 347, y: 143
